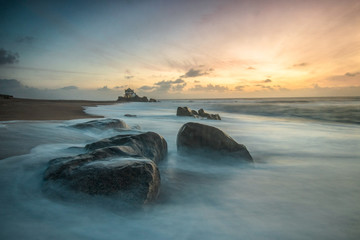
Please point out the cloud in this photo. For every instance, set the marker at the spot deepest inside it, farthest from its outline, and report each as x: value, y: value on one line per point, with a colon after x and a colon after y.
x: 195, y: 73
x: 178, y: 87
x: 239, y: 88
x: 303, y: 64
x: 348, y: 74
x: 162, y: 83
x: 251, y: 68
x: 104, y: 88
x: 120, y: 87
x: 70, y: 88
x: 264, y: 87
x: 267, y: 81
x: 196, y: 81
x: 25, y: 39
x: 209, y: 87
x: 129, y: 77
x: 165, y: 86
x: 146, y: 88
x: 7, y: 57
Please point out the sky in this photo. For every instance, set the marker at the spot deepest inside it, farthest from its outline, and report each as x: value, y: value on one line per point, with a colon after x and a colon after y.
x: 180, y: 49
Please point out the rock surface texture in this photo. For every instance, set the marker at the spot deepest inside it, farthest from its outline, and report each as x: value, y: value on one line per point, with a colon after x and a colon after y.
x: 103, y: 124
x: 196, y: 138
x: 124, y: 165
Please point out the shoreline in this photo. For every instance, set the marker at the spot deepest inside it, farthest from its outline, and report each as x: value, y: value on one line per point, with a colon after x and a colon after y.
x: 38, y: 109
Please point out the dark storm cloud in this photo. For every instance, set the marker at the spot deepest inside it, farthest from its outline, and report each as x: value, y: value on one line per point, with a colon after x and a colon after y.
x: 8, y: 57
x: 209, y: 87
x: 25, y: 39
x: 194, y: 73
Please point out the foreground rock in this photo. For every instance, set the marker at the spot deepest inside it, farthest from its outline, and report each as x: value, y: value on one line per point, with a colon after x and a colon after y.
x: 103, y: 124
x: 149, y: 145
x: 123, y: 165
x: 210, y: 141
x: 187, y: 112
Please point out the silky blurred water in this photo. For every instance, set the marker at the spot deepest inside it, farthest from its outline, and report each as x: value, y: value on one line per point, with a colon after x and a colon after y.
x: 305, y: 183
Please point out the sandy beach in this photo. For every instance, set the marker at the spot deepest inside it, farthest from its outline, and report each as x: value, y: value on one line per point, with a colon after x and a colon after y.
x: 33, y: 109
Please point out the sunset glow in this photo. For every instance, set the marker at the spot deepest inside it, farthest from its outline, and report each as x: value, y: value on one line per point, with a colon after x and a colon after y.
x: 216, y: 48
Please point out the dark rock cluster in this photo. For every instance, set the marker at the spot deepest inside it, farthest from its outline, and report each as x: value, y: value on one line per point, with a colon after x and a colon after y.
x: 187, y: 112
x: 126, y: 165
x: 123, y: 164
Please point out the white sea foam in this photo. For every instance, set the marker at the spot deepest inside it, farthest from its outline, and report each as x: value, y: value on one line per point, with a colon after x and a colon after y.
x: 305, y: 183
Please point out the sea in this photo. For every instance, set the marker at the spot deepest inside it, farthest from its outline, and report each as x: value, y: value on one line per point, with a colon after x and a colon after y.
x: 304, y: 184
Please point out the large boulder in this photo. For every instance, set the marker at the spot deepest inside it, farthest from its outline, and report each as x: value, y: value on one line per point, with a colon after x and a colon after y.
x: 196, y: 138
x: 148, y: 145
x: 123, y: 165
x: 134, y: 180
x: 103, y: 124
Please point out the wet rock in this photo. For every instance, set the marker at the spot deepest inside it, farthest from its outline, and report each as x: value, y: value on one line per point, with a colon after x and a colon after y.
x: 103, y: 124
x: 184, y: 111
x: 149, y: 145
x: 130, y: 115
x: 204, y: 114
x: 195, y: 138
x: 195, y: 113
x: 135, y: 180
x: 152, y: 100
x: 124, y: 165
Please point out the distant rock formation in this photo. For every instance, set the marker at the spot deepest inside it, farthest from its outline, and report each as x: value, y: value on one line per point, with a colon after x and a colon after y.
x: 185, y: 111
x: 196, y: 138
x: 131, y: 96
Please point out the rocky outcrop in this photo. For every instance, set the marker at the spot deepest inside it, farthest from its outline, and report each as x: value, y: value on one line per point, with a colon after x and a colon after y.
x: 187, y: 112
x: 204, y: 114
x: 124, y: 165
x: 184, y: 111
x: 135, y: 99
x: 152, y: 100
x: 195, y: 138
x: 103, y: 124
